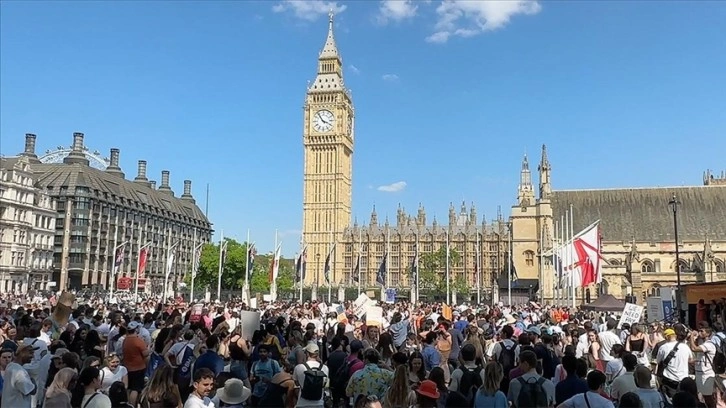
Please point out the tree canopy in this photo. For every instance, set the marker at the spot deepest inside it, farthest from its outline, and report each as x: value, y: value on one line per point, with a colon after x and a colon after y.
x: 432, y: 267
x: 235, y: 265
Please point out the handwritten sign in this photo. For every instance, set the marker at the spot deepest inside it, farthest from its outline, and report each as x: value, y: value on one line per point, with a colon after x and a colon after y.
x: 631, y: 314
x: 361, y: 305
x: 374, y: 316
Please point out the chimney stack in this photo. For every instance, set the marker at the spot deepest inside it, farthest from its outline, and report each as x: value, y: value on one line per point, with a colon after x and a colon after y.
x: 152, y: 184
x: 77, y: 156
x: 141, y: 176
x: 30, y: 148
x: 114, y: 167
x: 164, y: 187
x: 187, y: 191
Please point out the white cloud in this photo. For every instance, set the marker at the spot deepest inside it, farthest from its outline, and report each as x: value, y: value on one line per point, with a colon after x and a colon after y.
x: 390, y: 78
x: 396, y: 10
x: 466, y: 18
x: 309, y: 10
x: 354, y: 69
x: 393, y: 188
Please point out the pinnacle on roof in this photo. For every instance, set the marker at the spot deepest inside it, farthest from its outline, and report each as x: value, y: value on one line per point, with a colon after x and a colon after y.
x: 525, y: 163
x: 330, y: 50
x: 544, y: 161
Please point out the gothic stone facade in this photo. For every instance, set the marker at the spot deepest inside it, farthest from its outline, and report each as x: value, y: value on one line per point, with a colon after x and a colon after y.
x: 638, y: 240
x: 409, y: 231
x: 97, y: 211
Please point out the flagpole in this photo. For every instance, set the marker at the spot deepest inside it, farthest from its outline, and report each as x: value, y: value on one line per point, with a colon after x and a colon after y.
x: 572, y: 236
x: 541, y: 262
x: 509, y: 263
x: 220, y: 267
x: 555, y: 268
x: 448, y: 284
x: 246, y: 285
x: 416, y: 288
x: 169, y: 264
x: 196, y: 259
x: 273, y: 284
x: 300, y: 267
x: 477, y: 259
x: 388, y: 253
x: 113, y: 263
x: 360, y: 251
x: 330, y: 279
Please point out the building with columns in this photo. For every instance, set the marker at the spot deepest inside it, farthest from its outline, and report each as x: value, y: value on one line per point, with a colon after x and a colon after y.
x: 27, y: 229
x: 637, y: 234
x: 98, y: 211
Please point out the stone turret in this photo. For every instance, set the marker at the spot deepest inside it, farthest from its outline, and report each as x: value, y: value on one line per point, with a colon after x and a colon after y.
x: 165, y: 187
x: 141, y: 173
x: 188, y: 191
x: 29, y: 151
x: 114, y: 167
x: 374, y: 218
x: 77, y: 154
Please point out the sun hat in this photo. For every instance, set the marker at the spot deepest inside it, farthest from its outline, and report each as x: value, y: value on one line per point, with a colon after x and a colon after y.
x: 234, y: 392
x: 428, y: 388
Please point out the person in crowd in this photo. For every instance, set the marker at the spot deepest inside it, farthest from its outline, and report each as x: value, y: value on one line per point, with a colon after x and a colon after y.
x: 18, y: 386
x: 90, y: 380
x: 58, y: 394
x: 203, y: 382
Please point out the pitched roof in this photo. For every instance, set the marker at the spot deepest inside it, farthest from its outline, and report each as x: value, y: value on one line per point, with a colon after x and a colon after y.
x: 644, y: 213
x: 56, y: 175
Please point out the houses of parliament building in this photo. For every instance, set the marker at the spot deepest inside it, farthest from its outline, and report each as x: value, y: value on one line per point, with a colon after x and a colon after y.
x: 638, y: 241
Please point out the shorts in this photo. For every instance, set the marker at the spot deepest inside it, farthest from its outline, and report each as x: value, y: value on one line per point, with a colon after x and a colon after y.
x: 705, y: 384
x: 136, y: 380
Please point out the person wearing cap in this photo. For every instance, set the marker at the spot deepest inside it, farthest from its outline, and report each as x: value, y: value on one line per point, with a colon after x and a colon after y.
x: 672, y: 359
x: 18, y: 387
x: 135, y: 355
x: 312, y: 353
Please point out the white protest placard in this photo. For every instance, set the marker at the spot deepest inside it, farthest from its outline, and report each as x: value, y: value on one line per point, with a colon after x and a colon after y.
x: 323, y: 308
x: 374, y: 316
x: 361, y: 305
x: 631, y: 314
x: 249, y: 323
x: 655, y: 309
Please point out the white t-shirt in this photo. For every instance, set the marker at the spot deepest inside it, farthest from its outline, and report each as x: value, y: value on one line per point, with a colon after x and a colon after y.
x: 299, y: 376
x: 17, y: 388
x: 195, y: 402
x: 108, y: 377
x: 593, y: 400
x: 614, y: 369
x: 704, y: 360
x: 607, y: 340
x: 177, y: 351
x: 96, y: 400
x: 677, y: 368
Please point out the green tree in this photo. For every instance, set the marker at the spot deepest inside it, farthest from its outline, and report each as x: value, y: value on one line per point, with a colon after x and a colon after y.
x: 461, y: 286
x: 432, y: 269
x: 233, y: 273
x: 286, y: 276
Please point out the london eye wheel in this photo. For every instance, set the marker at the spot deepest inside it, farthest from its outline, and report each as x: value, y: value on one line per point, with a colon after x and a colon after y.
x: 56, y: 156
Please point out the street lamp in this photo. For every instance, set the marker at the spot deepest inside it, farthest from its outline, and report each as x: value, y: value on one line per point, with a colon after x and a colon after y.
x: 674, y: 205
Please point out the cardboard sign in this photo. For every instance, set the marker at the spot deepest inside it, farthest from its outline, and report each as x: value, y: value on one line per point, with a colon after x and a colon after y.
x: 361, y: 305
x: 196, y: 313
x: 374, y: 316
x: 655, y: 309
x: 631, y: 314
x: 249, y: 323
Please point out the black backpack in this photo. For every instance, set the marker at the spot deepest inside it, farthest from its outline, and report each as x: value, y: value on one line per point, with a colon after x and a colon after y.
x: 342, y: 375
x: 470, y: 382
x: 314, y: 384
x: 532, y: 393
x: 507, y: 358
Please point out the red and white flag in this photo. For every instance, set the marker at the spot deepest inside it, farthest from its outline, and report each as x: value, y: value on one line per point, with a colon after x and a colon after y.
x: 586, y: 256
x: 275, y: 265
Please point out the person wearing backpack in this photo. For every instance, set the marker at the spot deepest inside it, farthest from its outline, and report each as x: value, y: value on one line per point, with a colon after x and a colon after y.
x: 530, y: 390
x: 596, y: 384
x: 312, y: 377
x: 506, y: 353
x: 467, y: 379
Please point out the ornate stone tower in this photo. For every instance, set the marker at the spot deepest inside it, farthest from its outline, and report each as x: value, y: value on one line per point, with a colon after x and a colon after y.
x: 328, y: 143
x: 525, y: 227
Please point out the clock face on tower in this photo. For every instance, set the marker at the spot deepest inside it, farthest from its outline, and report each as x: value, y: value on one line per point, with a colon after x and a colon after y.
x: 323, y: 121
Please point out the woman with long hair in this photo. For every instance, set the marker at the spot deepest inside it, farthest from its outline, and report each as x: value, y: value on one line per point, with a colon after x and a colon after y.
x: 438, y: 376
x: 161, y: 391
x: 473, y: 338
x: 385, y: 347
x: 593, y: 352
x: 489, y: 395
x: 399, y: 394
x: 113, y: 372
x: 58, y: 395
x: 638, y: 343
x: 416, y: 369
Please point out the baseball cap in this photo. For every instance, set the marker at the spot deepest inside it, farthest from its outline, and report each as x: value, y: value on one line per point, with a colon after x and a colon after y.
x: 312, y: 348
x: 133, y: 325
x: 669, y: 332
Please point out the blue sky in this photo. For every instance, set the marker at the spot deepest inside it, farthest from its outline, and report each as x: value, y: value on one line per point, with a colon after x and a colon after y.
x: 448, y: 96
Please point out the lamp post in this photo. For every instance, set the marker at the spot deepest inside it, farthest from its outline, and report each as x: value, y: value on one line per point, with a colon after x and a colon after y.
x: 674, y: 205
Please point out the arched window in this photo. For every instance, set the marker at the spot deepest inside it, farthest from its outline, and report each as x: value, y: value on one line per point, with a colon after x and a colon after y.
x: 647, y: 266
x: 604, y: 287
x: 614, y: 261
x: 654, y: 290
x: 529, y: 258
x: 684, y: 266
x: 719, y: 266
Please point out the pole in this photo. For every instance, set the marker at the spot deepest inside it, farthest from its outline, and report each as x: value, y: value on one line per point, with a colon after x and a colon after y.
x: 248, y: 257
x: 169, y: 265
x: 565, y: 260
x: 195, y: 263
x: 206, y: 203
x: 220, y: 267
x: 303, y: 258
x: 138, y: 269
x: 572, y: 257
x: 273, y: 284
x: 388, y: 263
x: 113, y: 262
x: 555, y: 269
x: 509, y: 263
x: 541, y: 262
x: 674, y: 204
x: 331, y: 275
x: 477, y: 259
x: 448, y: 284
x: 416, y: 282
x: 360, y: 251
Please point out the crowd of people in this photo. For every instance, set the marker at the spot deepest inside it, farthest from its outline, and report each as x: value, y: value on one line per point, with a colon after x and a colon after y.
x: 87, y: 353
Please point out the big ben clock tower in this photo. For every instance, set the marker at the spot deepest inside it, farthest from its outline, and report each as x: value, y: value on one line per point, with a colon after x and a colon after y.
x: 328, y: 142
